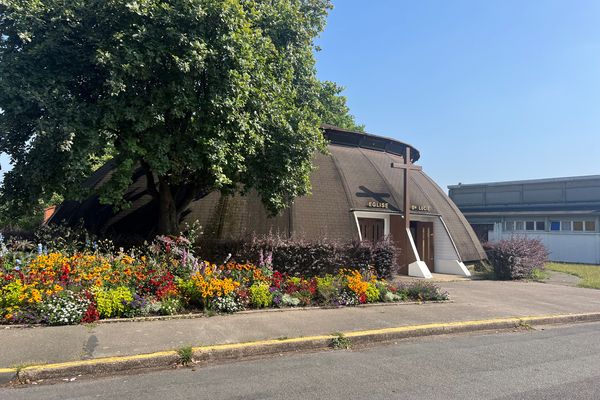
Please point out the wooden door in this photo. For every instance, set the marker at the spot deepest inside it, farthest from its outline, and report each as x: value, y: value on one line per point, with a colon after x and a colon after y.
x: 424, y: 242
x: 371, y: 229
x: 400, y: 238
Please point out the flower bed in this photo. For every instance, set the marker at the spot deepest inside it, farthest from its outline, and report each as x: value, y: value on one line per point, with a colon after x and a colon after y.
x: 60, y: 288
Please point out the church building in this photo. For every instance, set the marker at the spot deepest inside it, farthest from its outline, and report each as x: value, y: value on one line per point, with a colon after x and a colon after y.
x: 366, y: 188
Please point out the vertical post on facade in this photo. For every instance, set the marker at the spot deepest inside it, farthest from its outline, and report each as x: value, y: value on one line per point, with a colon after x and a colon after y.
x: 406, y: 183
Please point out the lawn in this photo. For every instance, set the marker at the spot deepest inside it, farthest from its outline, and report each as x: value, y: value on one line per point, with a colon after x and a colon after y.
x: 590, y: 274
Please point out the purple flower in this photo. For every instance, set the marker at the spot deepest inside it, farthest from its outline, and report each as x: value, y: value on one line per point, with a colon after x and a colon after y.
x: 269, y: 259
x: 184, y: 257
x: 261, y: 259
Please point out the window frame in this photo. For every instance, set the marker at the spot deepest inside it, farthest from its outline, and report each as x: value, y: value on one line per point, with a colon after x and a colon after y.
x: 585, y: 225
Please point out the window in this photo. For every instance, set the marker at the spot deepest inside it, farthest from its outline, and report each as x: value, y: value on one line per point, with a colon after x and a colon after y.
x: 528, y: 225
x: 590, y: 226
x: 540, y: 225
x: 519, y: 225
x: 555, y: 225
x: 578, y: 226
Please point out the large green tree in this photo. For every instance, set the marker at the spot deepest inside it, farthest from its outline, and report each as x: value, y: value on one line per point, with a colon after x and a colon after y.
x: 334, y: 110
x: 202, y: 94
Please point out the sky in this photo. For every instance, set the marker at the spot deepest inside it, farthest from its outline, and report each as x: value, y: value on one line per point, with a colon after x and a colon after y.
x: 486, y: 90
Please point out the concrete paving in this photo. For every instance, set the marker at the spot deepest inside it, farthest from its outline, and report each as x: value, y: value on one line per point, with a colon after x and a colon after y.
x: 560, y: 278
x: 556, y: 363
x: 472, y: 300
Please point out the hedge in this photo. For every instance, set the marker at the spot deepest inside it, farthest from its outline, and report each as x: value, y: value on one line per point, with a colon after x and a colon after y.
x: 306, y: 258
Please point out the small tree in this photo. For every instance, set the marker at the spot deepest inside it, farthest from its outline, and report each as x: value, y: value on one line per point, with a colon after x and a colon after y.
x: 202, y: 95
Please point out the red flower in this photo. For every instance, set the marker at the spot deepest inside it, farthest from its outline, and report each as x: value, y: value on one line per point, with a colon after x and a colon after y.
x: 312, y: 286
x: 64, y: 273
x: 91, y: 314
x: 363, y: 298
x: 278, y: 279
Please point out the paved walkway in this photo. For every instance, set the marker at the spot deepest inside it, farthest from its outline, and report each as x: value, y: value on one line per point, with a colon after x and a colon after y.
x: 472, y: 300
x: 560, y: 278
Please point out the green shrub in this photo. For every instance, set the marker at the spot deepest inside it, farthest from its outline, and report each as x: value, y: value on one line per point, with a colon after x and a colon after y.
x: 327, y: 289
x: 151, y: 307
x: 170, y: 306
x: 390, y: 297
x: 373, y: 293
x: 539, y: 274
x: 288, y: 300
x: 422, y: 291
x: 341, y: 342
x: 10, y: 294
x: 189, y: 291
x: 186, y: 355
x: 112, y: 302
x: 260, y: 295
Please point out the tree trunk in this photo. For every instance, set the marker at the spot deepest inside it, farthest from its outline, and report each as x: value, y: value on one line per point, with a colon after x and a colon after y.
x: 168, y: 218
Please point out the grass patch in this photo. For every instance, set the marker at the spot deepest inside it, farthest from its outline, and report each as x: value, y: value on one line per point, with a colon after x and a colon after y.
x: 524, y: 325
x: 18, y: 369
x: 539, y: 274
x: 590, y: 274
x: 341, y: 342
x: 186, y: 355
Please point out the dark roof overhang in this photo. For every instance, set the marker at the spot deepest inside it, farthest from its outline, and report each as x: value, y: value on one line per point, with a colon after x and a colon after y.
x: 564, y: 208
x: 345, y: 137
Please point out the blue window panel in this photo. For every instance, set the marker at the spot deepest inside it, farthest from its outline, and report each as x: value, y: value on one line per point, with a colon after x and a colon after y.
x: 555, y: 226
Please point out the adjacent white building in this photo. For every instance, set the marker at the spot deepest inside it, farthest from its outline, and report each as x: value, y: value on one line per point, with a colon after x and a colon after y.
x: 564, y: 213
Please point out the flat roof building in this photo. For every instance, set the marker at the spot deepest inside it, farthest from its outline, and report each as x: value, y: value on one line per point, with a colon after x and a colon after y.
x: 357, y: 194
x: 564, y: 213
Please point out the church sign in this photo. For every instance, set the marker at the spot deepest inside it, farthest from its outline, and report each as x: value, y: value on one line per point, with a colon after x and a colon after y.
x: 415, y: 207
x: 377, y: 204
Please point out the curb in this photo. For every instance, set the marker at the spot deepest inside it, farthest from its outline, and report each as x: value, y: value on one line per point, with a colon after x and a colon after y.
x: 239, y: 351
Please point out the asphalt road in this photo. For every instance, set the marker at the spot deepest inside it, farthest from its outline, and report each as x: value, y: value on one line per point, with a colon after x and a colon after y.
x: 556, y: 363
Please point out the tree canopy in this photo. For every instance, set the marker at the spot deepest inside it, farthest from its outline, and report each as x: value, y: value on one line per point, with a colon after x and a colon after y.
x: 334, y: 110
x: 202, y: 94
